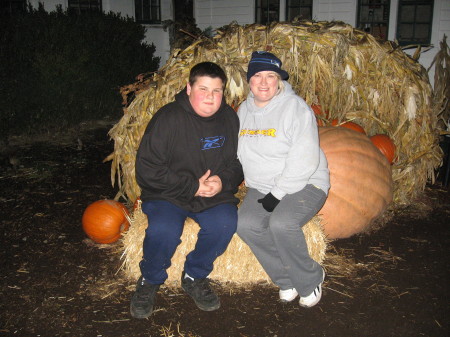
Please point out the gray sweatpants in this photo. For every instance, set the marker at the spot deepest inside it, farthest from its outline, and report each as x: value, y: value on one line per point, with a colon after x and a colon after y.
x: 277, y: 238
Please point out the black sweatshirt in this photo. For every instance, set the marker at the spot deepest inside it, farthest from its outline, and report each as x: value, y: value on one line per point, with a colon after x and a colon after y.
x: 179, y: 146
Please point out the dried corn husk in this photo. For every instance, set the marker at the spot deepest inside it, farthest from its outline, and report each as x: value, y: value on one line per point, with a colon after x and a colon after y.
x: 347, y: 71
x: 442, y: 85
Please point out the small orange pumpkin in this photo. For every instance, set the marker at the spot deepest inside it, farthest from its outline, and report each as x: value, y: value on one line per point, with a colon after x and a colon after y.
x: 105, y: 220
x: 349, y: 125
x: 385, y: 145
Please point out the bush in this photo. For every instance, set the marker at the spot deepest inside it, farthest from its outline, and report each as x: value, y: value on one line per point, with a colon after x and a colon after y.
x: 60, y: 68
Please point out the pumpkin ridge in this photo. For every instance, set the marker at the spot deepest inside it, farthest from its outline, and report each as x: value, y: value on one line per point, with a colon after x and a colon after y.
x: 378, y: 166
x: 382, y: 185
x: 361, y: 210
x: 373, y: 173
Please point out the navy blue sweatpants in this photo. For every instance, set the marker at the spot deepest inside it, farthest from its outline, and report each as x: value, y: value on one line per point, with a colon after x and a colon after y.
x: 165, y: 227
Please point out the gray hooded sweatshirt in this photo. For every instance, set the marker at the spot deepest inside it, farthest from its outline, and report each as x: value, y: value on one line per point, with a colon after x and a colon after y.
x: 279, y: 145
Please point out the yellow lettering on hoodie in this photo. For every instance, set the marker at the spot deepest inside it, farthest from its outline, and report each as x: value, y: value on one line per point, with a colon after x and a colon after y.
x: 249, y: 132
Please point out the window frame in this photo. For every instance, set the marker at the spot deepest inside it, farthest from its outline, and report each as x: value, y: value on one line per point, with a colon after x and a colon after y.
x: 7, y: 6
x: 414, y: 41
x: 152, y: 9
x: 79, y: 6
x: 370, y: 25
x: 299, y: 6
x: 259, y: 5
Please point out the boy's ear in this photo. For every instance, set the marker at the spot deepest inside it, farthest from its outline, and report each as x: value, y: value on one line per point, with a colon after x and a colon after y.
x: 188, y: 89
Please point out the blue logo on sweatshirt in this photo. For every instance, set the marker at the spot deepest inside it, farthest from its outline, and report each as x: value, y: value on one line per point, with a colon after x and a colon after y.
x: 209, y: 143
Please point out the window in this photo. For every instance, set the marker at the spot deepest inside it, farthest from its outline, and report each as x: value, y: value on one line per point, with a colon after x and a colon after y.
x: 83, y: 6
x: 148, y: 11
x: 12, y: 6
x: 267, y: 11
x: 414, y: 21
x: 373, y: 17
x: 183, y: 9
x: 299, y: 9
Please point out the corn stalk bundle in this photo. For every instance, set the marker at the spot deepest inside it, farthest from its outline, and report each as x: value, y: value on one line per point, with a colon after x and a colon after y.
x: 442, y: 84
x: 347, y: 71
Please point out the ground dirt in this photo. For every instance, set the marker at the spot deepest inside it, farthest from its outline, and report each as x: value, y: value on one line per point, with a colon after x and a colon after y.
x: 56, y: 282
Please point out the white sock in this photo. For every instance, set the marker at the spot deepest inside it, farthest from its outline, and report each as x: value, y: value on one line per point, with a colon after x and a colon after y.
x: 186, y: 275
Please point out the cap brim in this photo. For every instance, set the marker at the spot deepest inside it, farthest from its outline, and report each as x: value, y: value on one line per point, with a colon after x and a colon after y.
x: 256, y: 68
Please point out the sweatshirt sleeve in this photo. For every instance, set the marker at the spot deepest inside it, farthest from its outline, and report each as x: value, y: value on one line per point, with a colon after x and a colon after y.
x: 152, y: 168
x: 303, y: 156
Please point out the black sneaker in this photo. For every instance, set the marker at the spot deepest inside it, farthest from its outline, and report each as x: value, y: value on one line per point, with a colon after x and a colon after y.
x: 200, y: 291
x: 143, y: 299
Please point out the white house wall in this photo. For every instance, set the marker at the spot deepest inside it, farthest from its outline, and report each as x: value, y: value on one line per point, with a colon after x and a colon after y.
x: 125, y: 8
x: 155, y: 33
x: 335, y: 10
x: 49, y: 5
x: 217, y: 13
x: 441, y: 26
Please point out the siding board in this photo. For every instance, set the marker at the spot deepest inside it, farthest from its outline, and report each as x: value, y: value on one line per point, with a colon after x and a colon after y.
x: 217, y: 13
x: 329, y: 10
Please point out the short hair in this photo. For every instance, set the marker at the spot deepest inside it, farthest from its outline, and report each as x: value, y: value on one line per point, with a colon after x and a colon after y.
x: 209, y: 69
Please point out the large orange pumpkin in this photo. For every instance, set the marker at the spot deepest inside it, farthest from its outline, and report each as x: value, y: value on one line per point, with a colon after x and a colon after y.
x: 385, y: 145
x: 360, y: 179
x: 105, y: 220
x: 349, y: 125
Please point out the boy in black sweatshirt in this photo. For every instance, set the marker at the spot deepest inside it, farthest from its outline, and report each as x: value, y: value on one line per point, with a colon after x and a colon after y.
x: 187, y: 166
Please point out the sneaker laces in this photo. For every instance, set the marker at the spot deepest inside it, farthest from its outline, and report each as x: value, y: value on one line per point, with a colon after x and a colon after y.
x: 204, y: 287
x: 145, y: 291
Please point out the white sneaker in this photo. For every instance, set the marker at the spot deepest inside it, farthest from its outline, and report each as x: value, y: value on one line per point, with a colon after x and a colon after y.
x: 313, y: 298
x: 288, y: 295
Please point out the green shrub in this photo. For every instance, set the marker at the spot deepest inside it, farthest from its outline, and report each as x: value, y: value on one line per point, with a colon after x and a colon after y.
x: 59, y: 68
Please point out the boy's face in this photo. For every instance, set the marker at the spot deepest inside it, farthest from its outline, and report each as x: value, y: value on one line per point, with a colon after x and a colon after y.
x: 205, y: 95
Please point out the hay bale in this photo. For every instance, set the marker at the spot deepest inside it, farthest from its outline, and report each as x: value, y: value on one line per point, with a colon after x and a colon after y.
x: 237, y: 265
